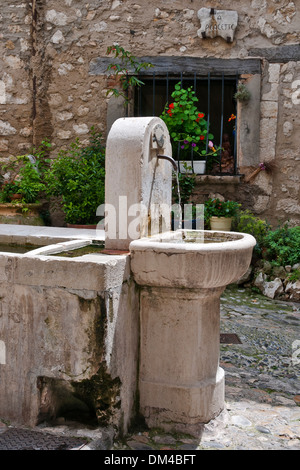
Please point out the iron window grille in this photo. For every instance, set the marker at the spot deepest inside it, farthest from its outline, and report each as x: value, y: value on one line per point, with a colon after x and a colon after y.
x: 216, y: 100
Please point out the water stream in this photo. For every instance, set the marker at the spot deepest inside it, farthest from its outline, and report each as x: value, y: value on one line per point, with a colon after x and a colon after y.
x: 179, y: 199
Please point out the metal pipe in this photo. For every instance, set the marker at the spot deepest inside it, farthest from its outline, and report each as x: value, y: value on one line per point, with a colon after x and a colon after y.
x: 171, y: 159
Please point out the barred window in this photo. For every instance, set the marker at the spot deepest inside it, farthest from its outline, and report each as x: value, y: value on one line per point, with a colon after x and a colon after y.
x: 215, y: 100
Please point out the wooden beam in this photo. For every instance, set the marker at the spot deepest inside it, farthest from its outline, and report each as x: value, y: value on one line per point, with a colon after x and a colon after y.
x: 186, y: 65
x: 279, y: 54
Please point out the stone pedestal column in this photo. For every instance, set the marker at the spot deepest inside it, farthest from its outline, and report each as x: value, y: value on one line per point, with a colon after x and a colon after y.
x: 181, y: 383
x: 181, y: 276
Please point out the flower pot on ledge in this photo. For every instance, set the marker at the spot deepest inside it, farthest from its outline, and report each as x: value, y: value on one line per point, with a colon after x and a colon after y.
x: 199, y: 167
x: 16, y: 196
x: 21, y: 214
x: 220, y: 223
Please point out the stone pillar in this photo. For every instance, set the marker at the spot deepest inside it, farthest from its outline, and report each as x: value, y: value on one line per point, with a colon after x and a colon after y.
x: 136, y: 180
x: 181, y: 383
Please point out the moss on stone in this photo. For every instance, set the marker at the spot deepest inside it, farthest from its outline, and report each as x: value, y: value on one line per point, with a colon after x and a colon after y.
x: 101, y: 393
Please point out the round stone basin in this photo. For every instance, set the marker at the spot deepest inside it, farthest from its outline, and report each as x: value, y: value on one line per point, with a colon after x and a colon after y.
x: 191, y: 258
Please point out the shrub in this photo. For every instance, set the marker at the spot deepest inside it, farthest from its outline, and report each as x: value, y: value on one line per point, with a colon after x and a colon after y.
x: 283, y: 245
x: 26, y: 173
x: 246, y: 222
x: 78, y: 176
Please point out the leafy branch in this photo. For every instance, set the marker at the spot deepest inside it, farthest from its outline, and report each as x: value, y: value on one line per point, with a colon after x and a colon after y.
x: 126, y: 67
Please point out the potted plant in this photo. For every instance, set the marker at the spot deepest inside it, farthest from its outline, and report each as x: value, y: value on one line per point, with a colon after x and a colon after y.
x: 189, y: 132
x: 77, y: 175
x: 21, y: 188
x: 219, y: 214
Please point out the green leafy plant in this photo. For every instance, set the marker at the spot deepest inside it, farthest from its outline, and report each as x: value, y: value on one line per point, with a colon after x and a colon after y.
x: 247, y: 222
x: 186, y: 185
x: 125, y: 68
x: 78, y: 176
x: 294, y: 276
x: 282, y: 246
x: 216, y: 208
x: 187, y: 127
x: 24, y: 175
x: 242, y: 93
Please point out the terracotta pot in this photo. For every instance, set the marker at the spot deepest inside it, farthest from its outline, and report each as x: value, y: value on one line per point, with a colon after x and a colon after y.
x: 13, y: 197
x: 221, y: 223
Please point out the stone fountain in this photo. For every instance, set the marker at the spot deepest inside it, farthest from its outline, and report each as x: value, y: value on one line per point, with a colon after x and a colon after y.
x: 181, y: 275
x: 91, y: 333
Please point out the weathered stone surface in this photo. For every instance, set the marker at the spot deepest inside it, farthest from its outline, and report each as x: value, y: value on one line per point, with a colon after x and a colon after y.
x: 6, y: 128
x: 60, y: 327
x: 293, y: 289
x: 273, y: 288
x: 181, y: 284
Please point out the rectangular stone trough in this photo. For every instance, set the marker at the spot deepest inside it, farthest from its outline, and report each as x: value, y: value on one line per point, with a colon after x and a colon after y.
x: 68, y: 331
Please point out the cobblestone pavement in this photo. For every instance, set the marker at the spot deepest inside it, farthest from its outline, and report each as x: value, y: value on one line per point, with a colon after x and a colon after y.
x: 262, y: 386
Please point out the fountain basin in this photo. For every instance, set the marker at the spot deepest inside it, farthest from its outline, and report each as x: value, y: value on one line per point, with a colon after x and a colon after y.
x: 181, y: 276
x: 191, y: 258
x: 62, y: 323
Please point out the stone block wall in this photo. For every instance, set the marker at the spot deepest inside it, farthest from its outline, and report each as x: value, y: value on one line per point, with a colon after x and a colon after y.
x: 49, y: 86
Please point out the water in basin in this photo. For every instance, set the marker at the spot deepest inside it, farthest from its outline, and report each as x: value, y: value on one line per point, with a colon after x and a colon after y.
x: 15, y: 248
x: 198, y: 236
x: 83, y: 250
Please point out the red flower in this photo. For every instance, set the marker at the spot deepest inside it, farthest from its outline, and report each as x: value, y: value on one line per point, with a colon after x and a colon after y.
x: 171, y: 105
x: 201, y: 115
x: 198, y: 119
x: 202, y: 137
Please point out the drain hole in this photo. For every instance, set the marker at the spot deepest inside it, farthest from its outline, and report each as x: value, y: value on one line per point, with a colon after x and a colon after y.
x: 58, y: 400
x: 229, y: 338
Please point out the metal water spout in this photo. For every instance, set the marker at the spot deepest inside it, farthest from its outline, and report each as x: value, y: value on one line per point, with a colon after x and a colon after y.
x: 171, y: 159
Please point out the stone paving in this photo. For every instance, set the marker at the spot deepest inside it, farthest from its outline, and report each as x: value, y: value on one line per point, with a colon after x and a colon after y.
x: 262, y: 386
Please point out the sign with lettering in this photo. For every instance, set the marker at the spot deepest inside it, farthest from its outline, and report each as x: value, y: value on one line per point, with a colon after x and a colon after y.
x: 217, y: 23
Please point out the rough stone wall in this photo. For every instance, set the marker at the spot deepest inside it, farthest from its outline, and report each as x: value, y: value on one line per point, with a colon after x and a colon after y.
x: 15, y: 78
x: 47, y: 88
